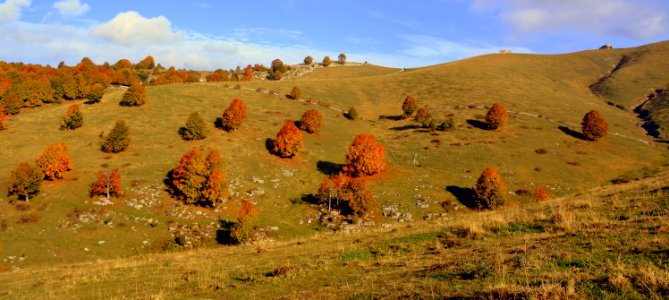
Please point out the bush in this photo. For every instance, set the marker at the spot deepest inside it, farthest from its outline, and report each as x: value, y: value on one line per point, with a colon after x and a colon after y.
x: 12, y: 104
x: 490, y: 191
x: 234, y: 115
x: 107, y: 183
x: 541, y: 194
x: 594, y: 126
x: 496, y: 116
x: 308, y: 60
x: 134, y: 96
x: 73, y: 118
x: 311, y: 121
x: 365, y: 156
x: 55, y: 161
x: 288, y: 140
x: 352, y: 113
x: 446, y: 124
x: 351, y: 191
x: 241, y: 231
x: 341, y: 59
x: 423, y: 116
x: 97, y: 92
x: 118, y: 138
x: 195, y: 128
x: 326, y: 61
x: 409, y: 106
x: 3, y: 117
x: 295, y: 93
x: 197, y: 179
x: 25, y: 181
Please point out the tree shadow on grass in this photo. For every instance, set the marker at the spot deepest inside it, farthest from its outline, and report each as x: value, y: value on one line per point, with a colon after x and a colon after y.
x: 405, y: 127
x: 572, y: 133
x: 223, y: 233
x: 329, y: 168
x: 392, y: 118
x: 464, y: 195
x: 269, y: 145
x: 478, y: 124
x: 219, y: 123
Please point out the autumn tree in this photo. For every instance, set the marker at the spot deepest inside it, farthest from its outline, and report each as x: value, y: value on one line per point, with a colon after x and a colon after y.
x: 134, y: 96
x: 25, y: 181
x: 341, y: 59
x: 241, y: 231
x: 490, y: 191
x: 311, y: 121
x: 97, y: 91
x: 3, y: 117
x: 496, y: 116
x: 365, y: 156
x: 277, y: 69
x: 12, y: 104
x: 409, y: 106
x: 541, y: 194
x: 352, y: 113
x: 107, y: 183
x: 295, y: 93
x: 288, y: 140
x: 308, y: 60
x: 326, y: 61
x: 146, y: 63
x: 118, y: 138
x: 423, y: 116
x: 197, y: 179
x: 594, y: 126
x: 342, y: 188
x: 234, y: 115
x: 248, y: 73
x: 195, y: 128
x: 55, y: 161
x: 73, y: 118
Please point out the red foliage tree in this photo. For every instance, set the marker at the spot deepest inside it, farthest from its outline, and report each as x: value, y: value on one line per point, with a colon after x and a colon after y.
x: 496, y: 116
x: 423, y: 115
x: 490, y: 191
x: 541, y: 194
x: 198, y: 179
x: 25, y: 181
x: 248, y: 73
x: 349, y: 190
x: 594, y: 126
x: 365, y: 156
x: 409, y: 106
x: 107, y: 183
x: 311, y: 121
x: 146, y: 63
x: 288, y: 140
x: 308, y: 60
x: 3, y: 117
x: 234, y: 115
x: 55, y: 161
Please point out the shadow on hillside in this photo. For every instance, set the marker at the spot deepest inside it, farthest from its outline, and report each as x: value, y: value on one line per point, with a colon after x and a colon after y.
x: 464, y: 195
x: 572, y: 133
x: 219, y: 123
x: 478, y: 124
x: 269, y: 145
x: 223, y: 236
x: 310, y: 198
x: 329, y: 168
x: 405, y: 127
x: 392, y: 118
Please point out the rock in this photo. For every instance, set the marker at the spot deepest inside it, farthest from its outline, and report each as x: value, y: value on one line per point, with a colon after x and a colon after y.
x: 101, y: 242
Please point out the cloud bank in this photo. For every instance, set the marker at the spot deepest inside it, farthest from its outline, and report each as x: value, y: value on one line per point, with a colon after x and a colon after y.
x: 71, y: 8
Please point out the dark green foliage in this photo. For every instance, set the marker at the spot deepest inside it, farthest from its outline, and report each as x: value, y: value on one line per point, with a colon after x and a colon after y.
x: 134, y: 96
x: 195, y: 128
x: 72, y: 119
x: 352, y: 113
x: 25, y: 181
x: 118, y: 139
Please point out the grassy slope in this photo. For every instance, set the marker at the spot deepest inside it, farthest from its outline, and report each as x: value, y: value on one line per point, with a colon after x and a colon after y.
x: 606, y: 243
x: 555, y: 87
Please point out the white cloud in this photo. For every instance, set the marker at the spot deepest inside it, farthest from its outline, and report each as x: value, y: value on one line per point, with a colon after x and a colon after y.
x: 10, y: 10
x: 638, y: 19
x: 130, y: 28
x: 71, y: 7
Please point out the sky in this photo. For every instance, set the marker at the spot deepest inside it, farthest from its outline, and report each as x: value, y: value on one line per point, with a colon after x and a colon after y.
x: 207, y: 34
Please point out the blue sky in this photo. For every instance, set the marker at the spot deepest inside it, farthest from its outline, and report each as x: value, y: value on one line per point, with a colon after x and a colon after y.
x: 223, y: 34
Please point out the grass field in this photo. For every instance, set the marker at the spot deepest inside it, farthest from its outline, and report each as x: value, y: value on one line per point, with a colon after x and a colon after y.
x: 424, y: 174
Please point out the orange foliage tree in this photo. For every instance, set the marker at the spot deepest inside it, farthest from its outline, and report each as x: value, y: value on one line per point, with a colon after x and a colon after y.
x: 349, y: 190
x: 242, y: 229
x: 248, y: 73
x: 3, y: 117
x: 496, y: 116
x: 295, y: 93
x: 311, y: 121
x: 490, y: 191
x: 197, y: 179
x: 146, y: 63
x: 12, y: 103
x: 594, y: 126
x: 365, y: 156
x: 134, y: 96
x: 423, y: 115
x: 55, y: 161
x: 73, y: 118
x: 409, y: 106
x: 308, y: 60
x: 326, y: 61
x: 107, y: 183
x: 541, y: 194
x: 234, y: 115
x: 288, y: 140
x: 25, y: 181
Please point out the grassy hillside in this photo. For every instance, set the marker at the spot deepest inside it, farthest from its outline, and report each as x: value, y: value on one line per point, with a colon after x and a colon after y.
x: 425, y: 170
x: 604, y: 243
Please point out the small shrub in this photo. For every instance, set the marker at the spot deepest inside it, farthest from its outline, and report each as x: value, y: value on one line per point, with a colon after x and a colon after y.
x: 3, y: 117
x: 308, y: 60
x: 541, y: 194
x: 134, y: 96
x: 594, y: 126
x: 446, y: 124
x: 197, y: 179
x: 343, y: 189
x: 96, y: 93
x: 341, y: 59
x: 496, y: 116
x: 409, y: 106
x: 326, y: 61
x: 423, y: 116
x: 195, y: 128
x: 118, y: 138
x: 25, y: 181
x: 108, y: 184
x: 234, y: 115
x: 365, y: 156
x: 288, y: 141
x: 311, y: 121
x: 295, y: 93
x: 352, y: 113
x: 73, y: 118
x: 55, y: 161
x: 541, y: 151
x: 242, y: 230
x: 490, y: 191
x: 28, y: 218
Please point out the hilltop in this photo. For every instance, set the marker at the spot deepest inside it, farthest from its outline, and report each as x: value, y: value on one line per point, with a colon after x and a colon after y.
x: 427, y: 172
